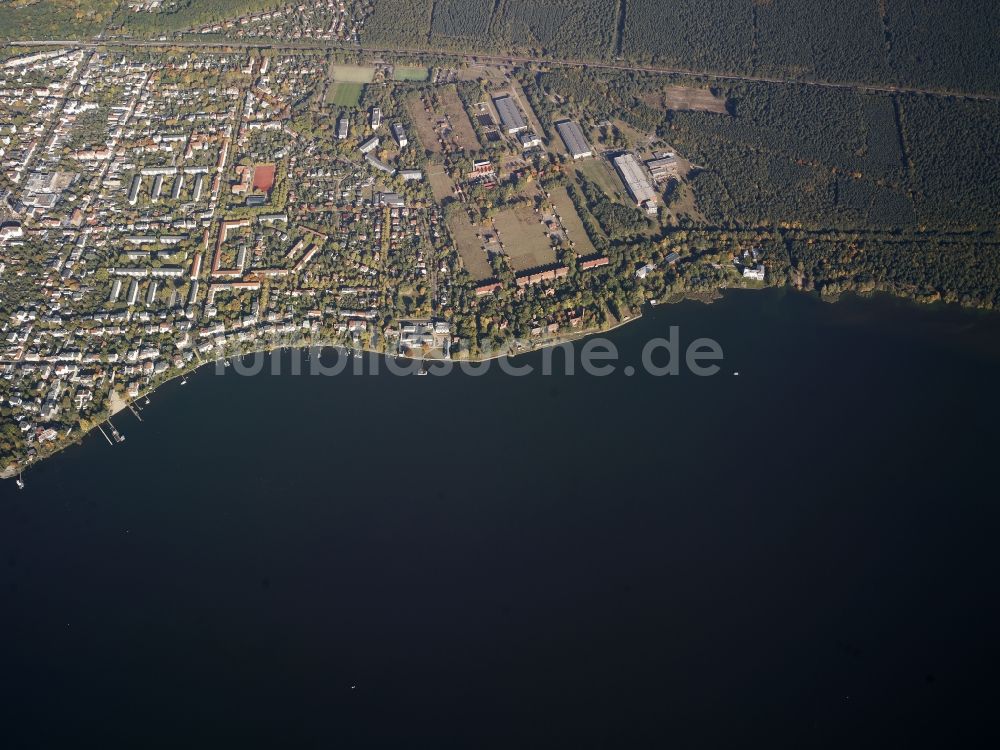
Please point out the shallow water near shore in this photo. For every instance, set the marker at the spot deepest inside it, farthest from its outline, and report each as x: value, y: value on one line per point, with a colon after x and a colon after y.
x: 803, y: 555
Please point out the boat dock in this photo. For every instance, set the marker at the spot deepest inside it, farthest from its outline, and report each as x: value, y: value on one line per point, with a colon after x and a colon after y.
x: 134, y: 411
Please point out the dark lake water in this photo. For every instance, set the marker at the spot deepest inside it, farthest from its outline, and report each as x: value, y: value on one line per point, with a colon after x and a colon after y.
x: 802, y: 556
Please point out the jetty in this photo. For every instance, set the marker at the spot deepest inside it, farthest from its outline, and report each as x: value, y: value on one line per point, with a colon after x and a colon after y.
x: 119, y: 438
x: 134, y: 411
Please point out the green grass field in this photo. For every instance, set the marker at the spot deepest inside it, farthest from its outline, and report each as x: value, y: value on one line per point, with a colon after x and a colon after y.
x: 345, y: 94
x: 348, y: 83
x: 410, y: 73
x: 352, y: 73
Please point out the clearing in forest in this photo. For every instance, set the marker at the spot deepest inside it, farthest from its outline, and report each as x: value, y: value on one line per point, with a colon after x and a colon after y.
x: 693, y: 99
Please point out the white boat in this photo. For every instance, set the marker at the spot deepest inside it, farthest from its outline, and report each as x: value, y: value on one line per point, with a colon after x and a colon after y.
x: 20, y: 482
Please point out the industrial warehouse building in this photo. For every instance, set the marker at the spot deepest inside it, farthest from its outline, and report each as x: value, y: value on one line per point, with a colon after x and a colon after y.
x: 572, y: 136
x: 664, y: 166
x: 635, y: 181
x: 510, y: 115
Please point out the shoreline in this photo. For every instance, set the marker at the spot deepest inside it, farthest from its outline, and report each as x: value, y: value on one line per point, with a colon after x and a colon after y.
x: 117, y: 403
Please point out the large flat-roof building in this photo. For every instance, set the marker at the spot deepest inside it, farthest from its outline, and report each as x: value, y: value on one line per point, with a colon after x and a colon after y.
x: 664, y: 167
x: 343, y: 125
x: 380, y: 165
x: 399, y: 134
x: 199, y: 181
x: 154, y: 194
x: 510, y: 115
x: 133, y: 193
x: 529, y: 139
x: 572, y: 136
x: 178, y: 186
x: 635, y: 181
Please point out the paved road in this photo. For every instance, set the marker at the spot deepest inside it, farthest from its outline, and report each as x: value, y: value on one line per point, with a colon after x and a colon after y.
x: 504, y: 59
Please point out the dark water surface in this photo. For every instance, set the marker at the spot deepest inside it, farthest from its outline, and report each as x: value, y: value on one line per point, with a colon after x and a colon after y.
x: 802, y: 556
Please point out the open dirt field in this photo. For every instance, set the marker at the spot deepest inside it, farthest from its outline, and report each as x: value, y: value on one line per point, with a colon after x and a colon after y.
x: 571, y: 222
x: 423, y: 122
x: 462, y: 132
x: 441, y: 185
x: 689, y: 98
x: 524, y: 239
x: 470, y: 248
x: 600, y: 172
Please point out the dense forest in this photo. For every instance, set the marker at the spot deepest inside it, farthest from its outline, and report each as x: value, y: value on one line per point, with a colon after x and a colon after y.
x: 403, y: 22
x: 925, y: 44
x: 954, y: 149
x: 711, y: 35
x: 945, y: 45
x: 187, y: 14
x: 466, y: 19
x: 964, y: 270
x: 914, y: 43
x: 53, y: 19
x: 560, y: 28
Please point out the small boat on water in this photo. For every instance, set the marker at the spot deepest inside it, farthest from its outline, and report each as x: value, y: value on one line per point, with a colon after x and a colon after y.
x: 20, y: 482
x: 184, y: 380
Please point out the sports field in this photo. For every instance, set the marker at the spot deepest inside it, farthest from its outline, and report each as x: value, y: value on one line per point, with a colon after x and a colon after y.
x: 345, y: 94
x: 410, y: 73
x: 348, y: 83
x: 352, y: 73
